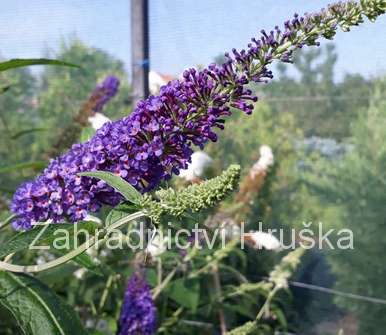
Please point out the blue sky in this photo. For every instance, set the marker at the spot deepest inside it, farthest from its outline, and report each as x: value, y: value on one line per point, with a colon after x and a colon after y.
x: 183, y: 32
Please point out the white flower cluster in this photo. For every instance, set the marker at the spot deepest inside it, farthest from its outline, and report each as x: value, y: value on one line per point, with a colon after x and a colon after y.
x: 265, y: 161
x: 196, y: 169
x: 261, y: 240
x: 98, y: 120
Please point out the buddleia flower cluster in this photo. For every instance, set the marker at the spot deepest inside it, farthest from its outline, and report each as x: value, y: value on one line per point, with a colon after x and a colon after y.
x: 156, y: 140
x: 138, y: 312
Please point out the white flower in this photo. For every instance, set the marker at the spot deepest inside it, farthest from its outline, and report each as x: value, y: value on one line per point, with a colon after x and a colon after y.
x: 157, y: 246
x: 265, y: 161
x: 45, y: 257
x: 200, y: 162
x: 98, y: 120
x: 105, y: 253
x: 41, y: 260
x: 260, y: 240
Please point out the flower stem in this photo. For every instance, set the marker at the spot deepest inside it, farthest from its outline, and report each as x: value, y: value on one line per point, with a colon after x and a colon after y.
x: 72, y: 254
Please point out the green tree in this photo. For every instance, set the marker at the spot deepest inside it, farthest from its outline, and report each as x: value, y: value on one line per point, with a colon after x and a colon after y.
x: 357, y: 186
x: 320, y: 105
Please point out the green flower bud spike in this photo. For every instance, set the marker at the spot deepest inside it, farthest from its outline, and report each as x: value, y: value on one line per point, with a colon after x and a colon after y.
x: 192, y: 199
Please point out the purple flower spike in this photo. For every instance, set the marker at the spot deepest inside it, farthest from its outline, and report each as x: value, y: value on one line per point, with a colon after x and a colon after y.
x: 104, y: 92
x: 138, y: 313
x: 156, y: 140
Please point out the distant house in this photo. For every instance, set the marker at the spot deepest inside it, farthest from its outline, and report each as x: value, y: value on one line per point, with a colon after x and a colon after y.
x: 156, y: 80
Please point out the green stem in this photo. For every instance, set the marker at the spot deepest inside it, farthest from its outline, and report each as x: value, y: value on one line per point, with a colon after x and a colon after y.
x: 170, y: 321
x: 105, y: 292
x: 267, y: 302
x: 64, y: 259
x: 157, y: 290
x: 218, y: 294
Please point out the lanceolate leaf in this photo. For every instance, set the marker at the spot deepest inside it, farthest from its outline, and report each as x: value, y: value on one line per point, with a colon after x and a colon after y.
x: 121, y: 185
x: 14, y: 63
x: 119, y: 212
x: 86, y: 261
x: 185, y: 292
x: 36, y: 308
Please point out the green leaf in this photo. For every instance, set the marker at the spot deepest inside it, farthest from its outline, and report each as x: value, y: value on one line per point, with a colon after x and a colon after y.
x: 15, y: 63
x: 244, y: 308
x: 26, y: 132
x: 152, y: 277
x: 38, y: 165
x: 119, y: 212
x: 121, y: 185
x: 59, y: 276
x: 280, y: 316
x: 86, y: 134
x: 44, y: 235
x: 185, y: 292
x: 85, y: 261
x: 36, y: 308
